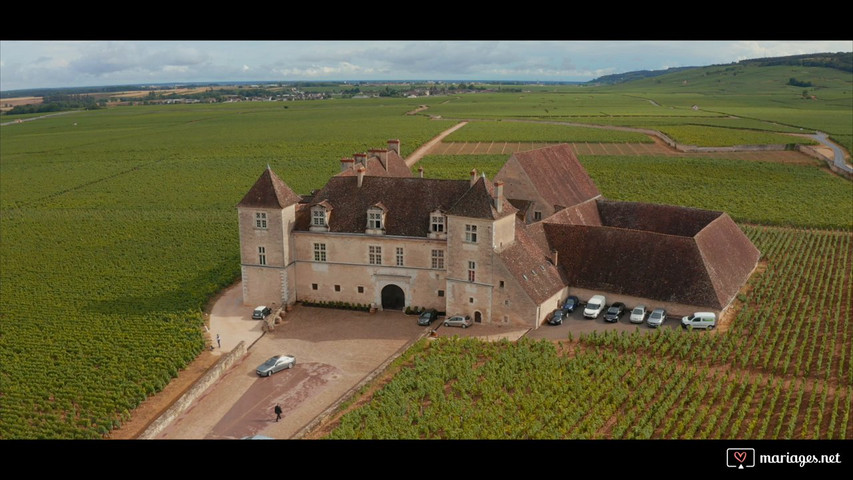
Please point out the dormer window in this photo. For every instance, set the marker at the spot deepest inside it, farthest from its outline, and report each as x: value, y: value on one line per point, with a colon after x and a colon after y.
x: 437, y: 225
x: 376, y: 220
x: 320, y: 217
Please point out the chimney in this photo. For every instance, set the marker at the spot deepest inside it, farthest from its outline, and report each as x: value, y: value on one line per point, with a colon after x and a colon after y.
x: 421, y: 171
x: 473, y: 176
x: 360, y: 176
x: 360, y: 158
x: 382, y: 155
x: 394, y: 145
x: 554, y: 257
x: 347, y: 164
x: 499, y: 196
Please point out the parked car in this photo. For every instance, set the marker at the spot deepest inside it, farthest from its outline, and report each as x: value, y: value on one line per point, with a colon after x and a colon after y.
x: 261, y: 312
x: 706, y: 320
x: 656, y: 318
x: 638, y: 314
x: 556, y: 317
x: 571, y: 304
x: 463, y: 321
x: 594, y: 306
x: 427, y: 317
x: 614, y: 312
x: 276, y: 364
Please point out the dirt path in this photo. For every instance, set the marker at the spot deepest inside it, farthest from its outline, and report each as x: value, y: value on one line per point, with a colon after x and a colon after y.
x: 425, y: 148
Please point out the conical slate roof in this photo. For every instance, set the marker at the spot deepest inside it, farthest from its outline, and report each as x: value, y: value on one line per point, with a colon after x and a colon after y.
x: 269, y: 191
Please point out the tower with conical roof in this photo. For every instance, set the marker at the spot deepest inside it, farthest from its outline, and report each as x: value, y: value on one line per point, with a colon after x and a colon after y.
x: 267, y: 214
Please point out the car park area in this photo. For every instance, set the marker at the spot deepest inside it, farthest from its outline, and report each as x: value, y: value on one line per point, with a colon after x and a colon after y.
x: 576, y: 323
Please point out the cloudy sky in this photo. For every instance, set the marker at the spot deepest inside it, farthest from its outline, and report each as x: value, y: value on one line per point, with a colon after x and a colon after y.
x: 38, y: 64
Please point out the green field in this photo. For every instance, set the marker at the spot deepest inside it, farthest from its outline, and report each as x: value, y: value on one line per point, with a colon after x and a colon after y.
x: 117, y: 225
x: 782, y: 371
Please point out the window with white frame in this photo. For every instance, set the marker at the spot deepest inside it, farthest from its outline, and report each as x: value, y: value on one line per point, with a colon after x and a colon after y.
x: 318, y: 217
x: 399, y: 256
x: 437, y: 223
x: 374, y: 254
x: 375, y: 220
x: 438, y: 259
x: 261, y: 220
x: 471, y: 233
x: 472, y: 271
x: 319, y: 252
x: 262, y: 255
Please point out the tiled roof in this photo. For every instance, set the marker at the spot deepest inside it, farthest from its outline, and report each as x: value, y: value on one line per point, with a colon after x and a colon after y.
x: 408, y: 201
x: 269, y: 191
x: 394, y: 166
x: 660, y: 252
x: 668, y: 219
x: 557, y: 175
x: 478, y: 202
x: 532, y: 269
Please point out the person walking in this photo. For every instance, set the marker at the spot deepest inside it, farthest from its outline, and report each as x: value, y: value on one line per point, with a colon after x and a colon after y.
x: 277, y: 412
x: 218, y: 341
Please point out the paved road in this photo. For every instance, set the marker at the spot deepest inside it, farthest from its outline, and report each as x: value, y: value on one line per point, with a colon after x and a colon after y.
x: 839, y: 154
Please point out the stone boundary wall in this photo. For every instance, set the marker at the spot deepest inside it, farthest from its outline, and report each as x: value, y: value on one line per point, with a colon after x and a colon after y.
x: 195, y: 391
x: 805, y: 149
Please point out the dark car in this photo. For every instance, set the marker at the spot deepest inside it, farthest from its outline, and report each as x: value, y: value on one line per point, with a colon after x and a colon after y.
x: 427, y: 317
x: 261, y: 312
x: 614, y: 312
x: 571, y: 303
x: 556, y: 318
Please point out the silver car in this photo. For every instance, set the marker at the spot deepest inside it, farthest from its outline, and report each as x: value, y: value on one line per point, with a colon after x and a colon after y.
x: 656, y: 318
x: 276, y: 364
x: 459, y: 321
x: 638, y: 314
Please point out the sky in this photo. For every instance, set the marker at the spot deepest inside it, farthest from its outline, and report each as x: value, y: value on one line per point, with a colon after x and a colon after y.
x: 54, y: 64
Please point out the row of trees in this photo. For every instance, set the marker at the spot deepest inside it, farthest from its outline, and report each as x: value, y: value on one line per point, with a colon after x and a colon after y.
x: 58, y: 103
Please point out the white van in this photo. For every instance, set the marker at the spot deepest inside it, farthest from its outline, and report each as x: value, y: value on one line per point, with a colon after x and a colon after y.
x: 700, y: 320
x: 594, y: 306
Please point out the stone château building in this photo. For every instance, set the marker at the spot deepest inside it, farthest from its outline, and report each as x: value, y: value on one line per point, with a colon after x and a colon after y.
x: 503, y: 252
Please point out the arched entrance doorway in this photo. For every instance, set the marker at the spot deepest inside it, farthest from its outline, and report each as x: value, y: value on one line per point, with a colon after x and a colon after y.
x: 478, y: 317
x: 393, y: 298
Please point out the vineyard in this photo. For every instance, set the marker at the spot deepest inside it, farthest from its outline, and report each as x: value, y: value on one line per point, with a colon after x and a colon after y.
x: 782, y: 371
x: 118, y: 226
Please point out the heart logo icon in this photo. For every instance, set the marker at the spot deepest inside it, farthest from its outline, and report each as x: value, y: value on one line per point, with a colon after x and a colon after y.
x: 740, y: 456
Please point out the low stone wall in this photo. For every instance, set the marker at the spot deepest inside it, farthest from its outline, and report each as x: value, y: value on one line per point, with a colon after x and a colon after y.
x: 807, y: 150
x: 195, y: 391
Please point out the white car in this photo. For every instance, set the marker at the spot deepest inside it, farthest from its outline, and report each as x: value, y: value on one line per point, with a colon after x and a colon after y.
x: 706, y: 320
x: 594, y: 306
x: 638, y: 314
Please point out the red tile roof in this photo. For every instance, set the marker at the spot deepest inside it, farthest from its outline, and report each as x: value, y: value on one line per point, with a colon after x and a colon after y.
x: 408, y: 202
x: 394, y: 166
x: 478, y: 202
x: 532, y: 269
x: 660, y: 252
x: 269, y: 191
x: 557, y: 175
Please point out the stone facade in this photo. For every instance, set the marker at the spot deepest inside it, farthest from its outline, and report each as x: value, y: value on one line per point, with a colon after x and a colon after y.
x: 376, y: 235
